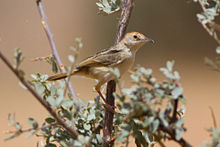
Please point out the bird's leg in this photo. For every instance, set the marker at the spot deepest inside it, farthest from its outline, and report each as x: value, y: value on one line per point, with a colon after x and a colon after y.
x: 106, y: 105
x: 100, y: 94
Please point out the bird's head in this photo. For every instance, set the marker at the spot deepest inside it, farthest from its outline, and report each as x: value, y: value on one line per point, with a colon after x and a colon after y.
x: 135, y: 40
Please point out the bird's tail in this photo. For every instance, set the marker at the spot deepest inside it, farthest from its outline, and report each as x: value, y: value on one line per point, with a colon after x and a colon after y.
x: 58, y: 76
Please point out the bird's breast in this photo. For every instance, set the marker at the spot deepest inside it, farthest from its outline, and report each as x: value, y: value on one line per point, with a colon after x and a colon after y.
x: 126, y: 64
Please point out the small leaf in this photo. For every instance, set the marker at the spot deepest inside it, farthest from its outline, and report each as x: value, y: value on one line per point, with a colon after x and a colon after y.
x: 146, y: 71
x: 54, y: 64
x: 33, y: 123
x: 179, y: 133
x: 66, y: 103
x: 22, y: 85
x: 87, y: 126
x: 51, y: 101
x: 13, y: 136
x: 99, y: 138
x: 180, y: 122
x: 39, y: 88
x: 218, y: 50
x: 71, y: 58
x: 49, y: 120
x: 176, y: 92
x: 18, y: 58
x: 135, y: 78
x: 34, y: 76
x: 170, y: 65
x: 91, y: 117
x: 31, y: 133
x: 79, y: 42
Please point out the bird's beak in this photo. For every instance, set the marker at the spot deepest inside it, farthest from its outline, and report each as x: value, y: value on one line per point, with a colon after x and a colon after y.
x: 149, y: 40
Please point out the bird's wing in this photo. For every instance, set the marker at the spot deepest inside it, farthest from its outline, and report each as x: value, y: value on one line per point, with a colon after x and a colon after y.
x: 108, y: 57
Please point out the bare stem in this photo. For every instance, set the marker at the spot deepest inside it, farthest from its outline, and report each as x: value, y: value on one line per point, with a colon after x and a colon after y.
x: 53, y: 46
x: 72, y: 132
x: 111, y: 86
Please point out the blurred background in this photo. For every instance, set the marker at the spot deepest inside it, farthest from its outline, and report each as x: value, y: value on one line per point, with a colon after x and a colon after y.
x: 171, y: 23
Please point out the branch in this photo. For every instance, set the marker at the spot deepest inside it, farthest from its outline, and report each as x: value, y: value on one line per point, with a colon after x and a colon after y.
x: 174, y: 116
x: 171, y: 132
x: 52, y: 44
x: 72, y: 132
x: 211, y: 25
x: 111, y: 86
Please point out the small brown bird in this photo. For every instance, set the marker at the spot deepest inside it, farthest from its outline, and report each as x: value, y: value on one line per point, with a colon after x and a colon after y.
x: 121, y: 56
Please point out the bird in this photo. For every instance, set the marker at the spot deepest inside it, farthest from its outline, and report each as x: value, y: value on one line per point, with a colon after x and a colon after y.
x: 99, y: 66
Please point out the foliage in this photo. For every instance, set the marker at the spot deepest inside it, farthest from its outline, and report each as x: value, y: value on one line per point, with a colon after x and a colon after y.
x: 109, y: 6
x: 149, y: 108
x: 207, y: 18
x: 215, y: 133
x: 149, y: 111
x: 146, y: 111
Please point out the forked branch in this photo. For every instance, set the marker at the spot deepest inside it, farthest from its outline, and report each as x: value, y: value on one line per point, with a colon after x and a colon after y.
x: 60, y: 122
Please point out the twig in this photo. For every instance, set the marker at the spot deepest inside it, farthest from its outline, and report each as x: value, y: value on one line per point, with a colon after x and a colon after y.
x: 171, y: 132
x: 72, y: 132
x: 30, y: 129
x: 211, y: 24
x: 53, y: 46
x: 111, y: 86
x: 175, y: 105
x: 213, y: 117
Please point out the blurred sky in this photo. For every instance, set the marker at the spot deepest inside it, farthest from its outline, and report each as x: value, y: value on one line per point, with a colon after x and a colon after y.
x: 171, y: 23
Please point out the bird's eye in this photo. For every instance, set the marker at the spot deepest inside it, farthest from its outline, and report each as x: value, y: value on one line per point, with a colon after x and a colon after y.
x: 135, y: 36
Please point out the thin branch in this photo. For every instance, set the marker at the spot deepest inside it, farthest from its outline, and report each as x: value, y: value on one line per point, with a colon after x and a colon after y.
x: 172, y: 134
x: 213, y: 117
x: 174, y: 116
x: 52, y: 44
x: 111, y: 86
x: 30, y: 129
x: 211, y: 25
x: 72, y: 132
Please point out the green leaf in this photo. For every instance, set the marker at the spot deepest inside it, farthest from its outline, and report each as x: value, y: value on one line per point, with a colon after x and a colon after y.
x: 78, y: 40
x: 170, y: 65
x: 135, y: 78
x: 39, y: 88
x: 218, y: 50
x: 18, y: 126
x: 51, y: 101
x: 31, y: 133
x: 71, y: 58
x: 145, y: 71
x: 33, y: 123
x: 99, y: 138
x: 54, y: 64
x: 17, y: 133
x: 91, y: 116
x: 87, y: 126
x: 155, y: 125
x: 179, y: 133
x: 66, y: 103
x: 18, y: 58
x: 162, y: 117
x: 180, y: 122
x: 22, y: 85
x: 49, y: 120
x: 176, y: 92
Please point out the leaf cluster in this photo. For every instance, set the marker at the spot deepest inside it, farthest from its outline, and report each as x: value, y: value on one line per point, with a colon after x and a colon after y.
x: 148, y: 109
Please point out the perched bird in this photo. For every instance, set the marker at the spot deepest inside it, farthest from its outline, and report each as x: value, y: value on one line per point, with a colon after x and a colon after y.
x: 98, y: 66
